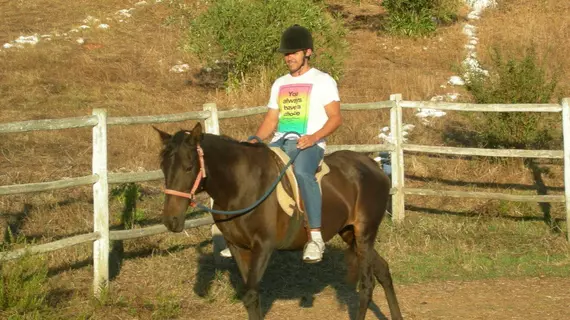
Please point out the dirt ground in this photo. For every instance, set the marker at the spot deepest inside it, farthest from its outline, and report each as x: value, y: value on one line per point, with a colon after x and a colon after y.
x: 533, y: 298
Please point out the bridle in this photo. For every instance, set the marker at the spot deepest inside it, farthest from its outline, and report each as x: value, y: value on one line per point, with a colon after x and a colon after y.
x: 201, y: 175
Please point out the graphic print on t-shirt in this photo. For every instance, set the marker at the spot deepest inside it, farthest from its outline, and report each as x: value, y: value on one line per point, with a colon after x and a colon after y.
x: 293, y: 103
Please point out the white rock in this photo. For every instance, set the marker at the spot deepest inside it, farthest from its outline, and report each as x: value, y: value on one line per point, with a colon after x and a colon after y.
x: 28, y: 39
x: 179, y: 68
x: 84, y: 27
x: 385, y: 137
x: 473, y: 15
x: 7, y: 45
x: 80, y: 40
x: 103, y: 26
x: 140, y: 3
x: 480, y: 5
x: 436, y: 99
x: 91, y: 19
x: 126, y: 13
x: 469, y: 30
x: 452, y: 96
x: 456, y: 81
x: 433, y: 113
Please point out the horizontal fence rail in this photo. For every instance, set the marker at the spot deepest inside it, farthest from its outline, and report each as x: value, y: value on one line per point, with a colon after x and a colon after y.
x: 516, y: 153
x: 89, y: 237
x: 482, y: 107
x: 51, y: 246
x: 484, y: 195
x: 46, y: 186
x: 194, y: 115
x: 100, y: 178
x: 51, y: 124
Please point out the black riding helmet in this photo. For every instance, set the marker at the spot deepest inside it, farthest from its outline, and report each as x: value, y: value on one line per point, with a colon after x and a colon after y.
x: 296, y: 38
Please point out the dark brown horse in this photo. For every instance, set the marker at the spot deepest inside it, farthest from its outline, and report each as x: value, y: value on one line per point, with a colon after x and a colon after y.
x: 237, y: 174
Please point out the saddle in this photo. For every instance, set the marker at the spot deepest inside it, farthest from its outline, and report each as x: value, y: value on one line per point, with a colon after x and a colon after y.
x: 290, y: 202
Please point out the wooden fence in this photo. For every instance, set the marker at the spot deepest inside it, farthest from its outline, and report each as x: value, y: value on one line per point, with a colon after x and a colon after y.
x: 101, y: 178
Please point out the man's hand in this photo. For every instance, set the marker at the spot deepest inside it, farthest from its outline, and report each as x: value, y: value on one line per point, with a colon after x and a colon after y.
x: 306, y: 141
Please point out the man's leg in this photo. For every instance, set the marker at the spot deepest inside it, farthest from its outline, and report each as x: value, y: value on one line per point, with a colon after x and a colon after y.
x: 305, y: 168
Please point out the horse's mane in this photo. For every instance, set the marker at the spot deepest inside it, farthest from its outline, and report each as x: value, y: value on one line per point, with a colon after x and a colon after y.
x: 227, y: 138
x: 179, y: 137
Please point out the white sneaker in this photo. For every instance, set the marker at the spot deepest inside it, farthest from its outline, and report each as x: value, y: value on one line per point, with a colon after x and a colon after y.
x: 313, y: 251
x: 226, y: 253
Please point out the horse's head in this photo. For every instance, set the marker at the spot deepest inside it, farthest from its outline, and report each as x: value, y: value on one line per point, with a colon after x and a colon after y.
x: 180, y: 163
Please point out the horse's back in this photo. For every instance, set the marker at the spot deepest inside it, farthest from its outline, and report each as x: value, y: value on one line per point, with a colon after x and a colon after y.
x: 355, y: 190
x: 358, y: 167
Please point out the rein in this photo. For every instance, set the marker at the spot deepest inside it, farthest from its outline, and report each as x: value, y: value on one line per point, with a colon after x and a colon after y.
x: 202, y: 174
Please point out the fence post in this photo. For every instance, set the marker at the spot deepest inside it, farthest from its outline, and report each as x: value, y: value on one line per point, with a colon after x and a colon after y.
x: 100, y: 205
x: 566, y: 135
x: 213, y: 126
x: 397, y: 159
x: 212, y: 123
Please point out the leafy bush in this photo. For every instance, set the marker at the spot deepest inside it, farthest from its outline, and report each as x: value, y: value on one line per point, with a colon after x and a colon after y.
x: 128, y: 194
x: 419, y: 17
x: 514, y: 81
x: 243, y: 36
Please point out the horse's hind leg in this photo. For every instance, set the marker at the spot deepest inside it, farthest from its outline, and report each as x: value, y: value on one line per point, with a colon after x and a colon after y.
x: 359, y: 254
x: 366, y: 276
x: 382, y: 274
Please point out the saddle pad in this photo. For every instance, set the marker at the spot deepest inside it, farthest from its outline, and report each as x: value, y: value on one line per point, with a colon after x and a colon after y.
x: 286, y: 201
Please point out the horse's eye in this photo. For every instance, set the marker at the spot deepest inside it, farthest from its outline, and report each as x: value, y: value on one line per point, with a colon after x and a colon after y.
x: 188, y: 169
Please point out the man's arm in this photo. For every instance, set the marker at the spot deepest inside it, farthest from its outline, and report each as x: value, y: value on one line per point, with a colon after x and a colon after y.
x: 269, y: 124
x: 335, y: 120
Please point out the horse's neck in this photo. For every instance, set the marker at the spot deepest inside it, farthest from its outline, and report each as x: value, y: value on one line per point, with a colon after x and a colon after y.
x: 231, y: 169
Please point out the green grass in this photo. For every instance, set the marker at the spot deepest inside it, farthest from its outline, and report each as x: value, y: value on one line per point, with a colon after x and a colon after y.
x: 435, y: 248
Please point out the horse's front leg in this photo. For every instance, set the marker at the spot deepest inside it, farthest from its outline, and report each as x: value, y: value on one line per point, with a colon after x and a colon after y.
x: 252, y: 264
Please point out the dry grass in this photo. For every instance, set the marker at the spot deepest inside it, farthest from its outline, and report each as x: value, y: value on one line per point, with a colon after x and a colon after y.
x: 517, y: 24
x: 127, y: 72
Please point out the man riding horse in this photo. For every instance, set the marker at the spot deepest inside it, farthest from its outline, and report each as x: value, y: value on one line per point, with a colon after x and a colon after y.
x: 305, y: 101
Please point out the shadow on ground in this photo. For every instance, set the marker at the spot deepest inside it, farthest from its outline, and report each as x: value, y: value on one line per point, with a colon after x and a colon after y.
x: 288, y: 278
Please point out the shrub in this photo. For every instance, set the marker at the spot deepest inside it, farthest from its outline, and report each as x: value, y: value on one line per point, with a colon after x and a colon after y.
x: 23, y: 288
x: 419, y: 17
x: 514, y: 81
x: 243, y: 36
x: 128, y: 194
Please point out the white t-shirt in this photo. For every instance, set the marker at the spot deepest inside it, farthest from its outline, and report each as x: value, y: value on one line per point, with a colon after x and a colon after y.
x: 301, y: 101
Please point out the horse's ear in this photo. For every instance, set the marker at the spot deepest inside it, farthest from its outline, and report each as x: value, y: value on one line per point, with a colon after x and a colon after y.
x: 196, y: 134
x: 165, y: 137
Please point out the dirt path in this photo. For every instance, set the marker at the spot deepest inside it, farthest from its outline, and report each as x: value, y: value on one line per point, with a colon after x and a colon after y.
x: 490, y: 299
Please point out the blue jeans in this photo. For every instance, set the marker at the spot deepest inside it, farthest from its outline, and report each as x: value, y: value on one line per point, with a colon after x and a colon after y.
x: 305, y: 167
